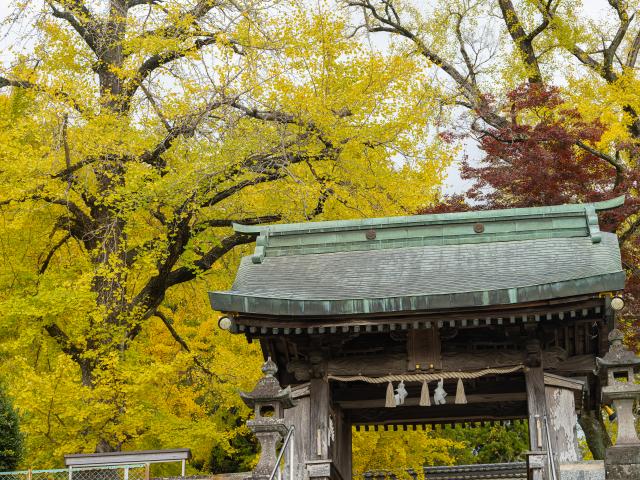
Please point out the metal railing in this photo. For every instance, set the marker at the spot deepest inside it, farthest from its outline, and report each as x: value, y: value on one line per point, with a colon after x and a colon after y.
x: 119, y: 472
x: 289, y: 461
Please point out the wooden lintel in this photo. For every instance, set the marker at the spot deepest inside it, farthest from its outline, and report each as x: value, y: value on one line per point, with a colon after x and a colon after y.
x: 471, y: 412
x: 474, y: 398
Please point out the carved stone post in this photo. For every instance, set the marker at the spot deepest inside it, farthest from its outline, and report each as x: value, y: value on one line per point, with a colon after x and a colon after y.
x: 269, y: 401
x: 622, y: 461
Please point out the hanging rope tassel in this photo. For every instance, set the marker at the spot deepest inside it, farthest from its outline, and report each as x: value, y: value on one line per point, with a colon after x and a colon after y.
x: 461, y: 397
x: 390, y: 401
x: 425, y: 399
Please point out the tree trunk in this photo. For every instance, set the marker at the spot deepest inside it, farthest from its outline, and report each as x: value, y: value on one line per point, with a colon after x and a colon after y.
x: 595, y: 433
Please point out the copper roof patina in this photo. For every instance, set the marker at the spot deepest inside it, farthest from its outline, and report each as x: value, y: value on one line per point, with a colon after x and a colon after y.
x: 426, y: 262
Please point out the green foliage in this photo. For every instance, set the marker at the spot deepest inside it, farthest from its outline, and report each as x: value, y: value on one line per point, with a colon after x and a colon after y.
x: 10, y: 435
x: 236, y: 455
x: 491, y: 443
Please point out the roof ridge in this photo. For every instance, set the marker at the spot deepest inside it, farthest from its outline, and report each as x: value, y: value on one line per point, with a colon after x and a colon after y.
x: 559, y: 221
x: 435, y: 218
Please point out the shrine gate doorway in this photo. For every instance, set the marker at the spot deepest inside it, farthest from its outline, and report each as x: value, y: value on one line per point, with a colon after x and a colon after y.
x: 506, y: 309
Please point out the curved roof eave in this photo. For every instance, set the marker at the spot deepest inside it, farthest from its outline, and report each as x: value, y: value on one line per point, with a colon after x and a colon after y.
x: 234, y: 302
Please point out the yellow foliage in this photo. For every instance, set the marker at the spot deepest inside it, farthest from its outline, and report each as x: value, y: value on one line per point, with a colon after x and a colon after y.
x: 397, y: 451
x: 120, y: 183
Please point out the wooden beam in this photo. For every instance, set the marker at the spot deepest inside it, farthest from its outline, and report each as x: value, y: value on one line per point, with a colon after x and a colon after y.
x: 409, y: 402
x: 537, y: 411
x: 473, y: 412
x: 385, y: 364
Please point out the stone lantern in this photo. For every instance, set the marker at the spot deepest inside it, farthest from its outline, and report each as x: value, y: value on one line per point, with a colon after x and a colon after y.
x: 268, y: 400
x: 619, y: 367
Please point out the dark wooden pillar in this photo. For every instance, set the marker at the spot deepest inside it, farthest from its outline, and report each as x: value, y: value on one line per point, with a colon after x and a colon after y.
x: 319, y: 419
x: 298, y: 416
x: 536, y: 405
x: 341, y: 443
x: 320, y: 464
x: 542, y: 443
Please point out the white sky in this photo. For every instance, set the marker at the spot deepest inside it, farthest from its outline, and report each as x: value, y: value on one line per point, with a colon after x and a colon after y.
x: 453, y: 182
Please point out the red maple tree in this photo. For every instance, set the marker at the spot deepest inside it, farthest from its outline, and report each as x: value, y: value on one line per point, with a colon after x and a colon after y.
x: 542, y: 155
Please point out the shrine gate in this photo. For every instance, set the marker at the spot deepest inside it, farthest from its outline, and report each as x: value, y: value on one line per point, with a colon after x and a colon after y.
x: 372, y: 322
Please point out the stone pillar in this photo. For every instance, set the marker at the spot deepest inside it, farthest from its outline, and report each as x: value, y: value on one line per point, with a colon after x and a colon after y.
x: 622, y: 461
x: 563, y: 422
x: 269, y: 401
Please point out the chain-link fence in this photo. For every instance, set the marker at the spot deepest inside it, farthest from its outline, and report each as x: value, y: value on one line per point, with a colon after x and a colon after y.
x: 119, y: 472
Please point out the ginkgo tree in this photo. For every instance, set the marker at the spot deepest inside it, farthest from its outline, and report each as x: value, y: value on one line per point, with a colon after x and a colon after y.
x: 133, y: 133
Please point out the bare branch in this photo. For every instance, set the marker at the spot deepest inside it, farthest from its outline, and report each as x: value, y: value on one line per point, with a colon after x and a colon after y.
x: 465, y: 55
x: 169, y: 324
x: 155, y: 107
x: 377, y: 21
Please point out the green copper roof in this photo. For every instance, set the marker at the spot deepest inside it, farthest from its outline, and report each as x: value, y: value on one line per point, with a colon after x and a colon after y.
x: 424, y: 230
x: 426, y: 262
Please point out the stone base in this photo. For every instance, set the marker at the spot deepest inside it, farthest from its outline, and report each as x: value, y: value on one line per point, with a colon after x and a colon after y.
x: 593, y: 470
x: 622, y: 462
x: 322, y: 470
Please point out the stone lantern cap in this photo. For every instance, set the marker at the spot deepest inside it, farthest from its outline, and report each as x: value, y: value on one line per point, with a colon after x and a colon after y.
x: 268, y: 389
x: 618, y: 355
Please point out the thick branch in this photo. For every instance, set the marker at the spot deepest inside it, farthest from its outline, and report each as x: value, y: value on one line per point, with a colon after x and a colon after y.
x: 522, y: 41
x: 47, y: 260
x: 156, y: 61
x: 5, y: 82
x: 184, y: 274
x: 630, y: 230
x: 185, y: 127
x: 226, y: 193
x: 64, y: 174
x: 215, y: 223
x: 632, y: 57
x: 613, y: 161
x: 63, y: 341
x: 82, y: 22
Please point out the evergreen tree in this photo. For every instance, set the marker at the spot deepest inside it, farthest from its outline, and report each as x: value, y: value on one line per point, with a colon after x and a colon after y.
x: 10, y: 436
